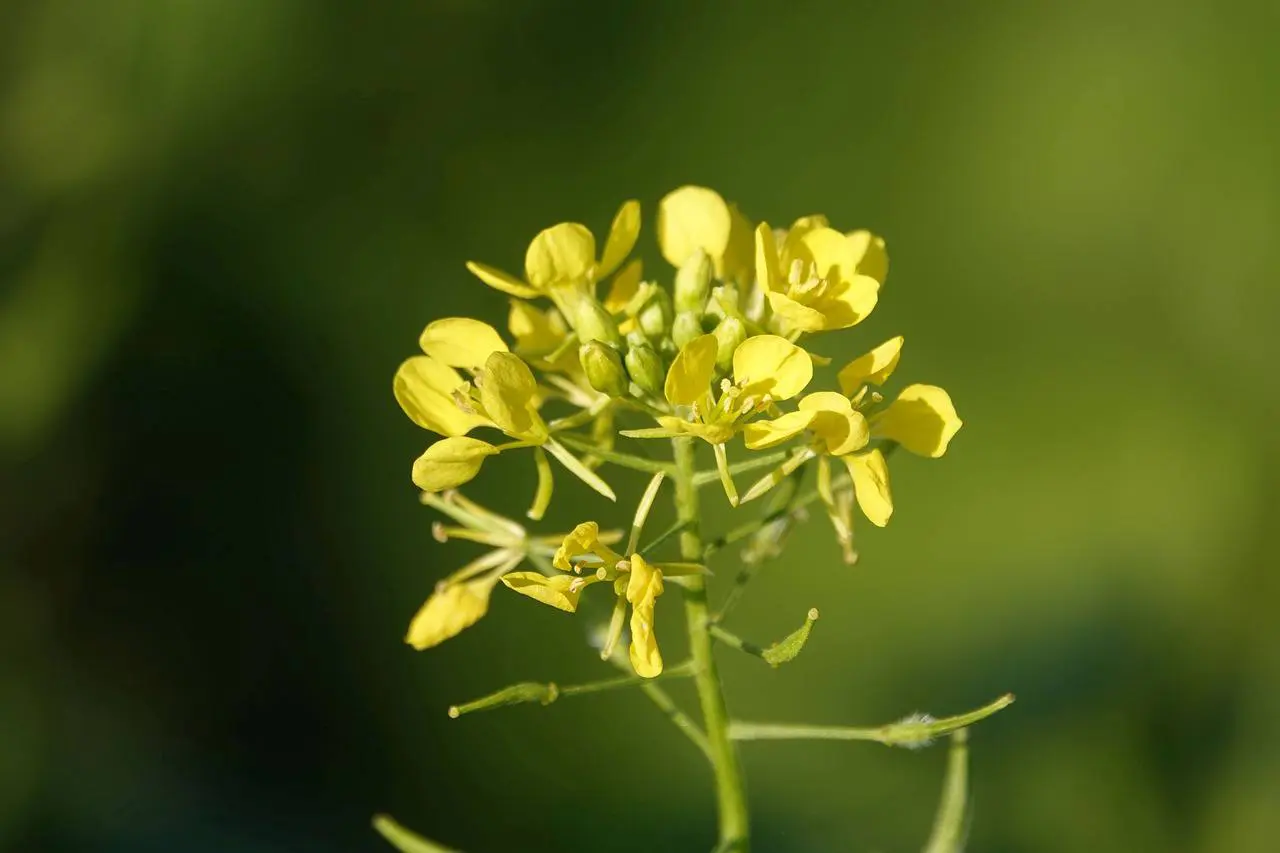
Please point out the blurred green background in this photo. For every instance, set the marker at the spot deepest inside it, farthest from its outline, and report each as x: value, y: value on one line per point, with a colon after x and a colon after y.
x: 224, y: 223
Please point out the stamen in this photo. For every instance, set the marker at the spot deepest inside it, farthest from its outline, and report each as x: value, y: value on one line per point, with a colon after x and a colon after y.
x: 794, y: 275
x: 439, y: 532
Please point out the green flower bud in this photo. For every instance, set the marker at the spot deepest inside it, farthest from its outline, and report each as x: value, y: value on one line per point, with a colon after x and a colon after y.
x: 693, y: 282
x: 594, y: 323
x: 655, y: 318
x: 724, y: 301
x: 687, y: 326
x: 729, y: 334
x: 603, y: 367
x: 645, y: 367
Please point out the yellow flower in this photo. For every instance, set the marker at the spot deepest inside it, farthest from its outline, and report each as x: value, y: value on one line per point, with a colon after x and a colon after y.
x: 450, y: 462
x: 696, y: 218
x: 450, y: 610
x: 643, y: 589
x: 540, y: 335
x: 564, y: 256
x: 820, y: 280
x: 428, y: 387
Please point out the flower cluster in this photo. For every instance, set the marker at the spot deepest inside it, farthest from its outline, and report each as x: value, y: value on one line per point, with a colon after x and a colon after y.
x: 596, y: 351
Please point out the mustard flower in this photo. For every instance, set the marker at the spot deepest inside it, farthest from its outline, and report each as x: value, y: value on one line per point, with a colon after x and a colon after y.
x: 693, y: 220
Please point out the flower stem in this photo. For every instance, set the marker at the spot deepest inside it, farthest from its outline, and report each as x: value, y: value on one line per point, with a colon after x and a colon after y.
x: 730, y: 788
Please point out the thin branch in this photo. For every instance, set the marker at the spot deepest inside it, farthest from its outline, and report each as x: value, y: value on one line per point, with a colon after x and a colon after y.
x: 616, y: 457
x: 683, y: 721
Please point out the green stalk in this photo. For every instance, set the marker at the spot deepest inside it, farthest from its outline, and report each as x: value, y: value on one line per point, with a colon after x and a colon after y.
x: 731, y: 796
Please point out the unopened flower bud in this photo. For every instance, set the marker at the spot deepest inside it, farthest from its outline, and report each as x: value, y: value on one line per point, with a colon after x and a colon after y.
x: 687, y: 326
x: 693, y: 282
x: 645, y: 367
x: 655, y: 318
x: 729, y: 334
x: 595, y: 324
x: 603, y: 367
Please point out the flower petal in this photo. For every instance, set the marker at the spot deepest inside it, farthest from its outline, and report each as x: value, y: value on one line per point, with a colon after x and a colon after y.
x: 826, y: 401
x: 450, y: 462
x: 768, y: 269
x: 561, y: 592
x: 769, y: 364
x: 870, y: 476
x: 758, y: 435
x: 873, y: 259
x: 693, y: 218
x: 643, y: 588
x: 561, y: 254
x: 795, y: 315
x: 622, y: 237
x: 841, y: 432
x: 922, y: 419
x: 424, y: 389
x: 449, y: 611
x: 690, y: 374
x: 499, y: 280
x: 831, y: 253
x: 850, y: 303
x: 536, y: 331
x: 874, y: 367
x: 460, y: 342
x: 582, y: 540
x: 625, y: 285
x: 507, y: 389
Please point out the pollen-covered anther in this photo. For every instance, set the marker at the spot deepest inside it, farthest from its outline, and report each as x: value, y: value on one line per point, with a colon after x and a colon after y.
x: 726, y: 386
x: 463, y: 400
x: 748, y: 406
x: 577, y: 584
x: 439, y: 532
x: 623, y: 566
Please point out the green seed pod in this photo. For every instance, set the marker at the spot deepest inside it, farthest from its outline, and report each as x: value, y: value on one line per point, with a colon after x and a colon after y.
x: 603, y: 367
x: 595, y: 324
x: 645, y: 367
x: 693, y: 282
x: 655, y: 318
x: 687, y: 326
x: 729, y: 334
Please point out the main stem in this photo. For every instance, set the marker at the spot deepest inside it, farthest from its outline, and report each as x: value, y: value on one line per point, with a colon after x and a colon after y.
x: 731, y: 797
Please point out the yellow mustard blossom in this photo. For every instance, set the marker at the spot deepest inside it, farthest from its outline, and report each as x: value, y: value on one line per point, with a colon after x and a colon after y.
x: 819, y: 279
x: 841, y: 425
x: 636, y: 582
x: 695, y: 219
x: 561, y: 263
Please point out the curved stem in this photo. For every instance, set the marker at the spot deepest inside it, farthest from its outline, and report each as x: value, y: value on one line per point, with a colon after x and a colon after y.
x: 730, y: 789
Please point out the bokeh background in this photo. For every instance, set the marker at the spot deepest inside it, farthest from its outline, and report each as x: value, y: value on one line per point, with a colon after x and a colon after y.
x: 223, y: 224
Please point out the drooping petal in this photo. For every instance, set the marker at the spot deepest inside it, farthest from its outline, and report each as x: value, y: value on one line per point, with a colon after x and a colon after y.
x: 840, y: 429
x: 692, y: 218
x: 449, y: 611
x: 768, y: 272
x: 643, y: 588
x: 758, y: 435
x: 625, y: 285
x: 769, y: 364
x: 621, y: 239
x: 582, y: 540
x: 690, y: 374
x: 424, y: 389
x: 796, y: 315
x: 460, y: 342
x: 874, y: 367
x: 561, y: 592
x: 561, y: 254
x: 507, y: 389
x: 873, y: 258
x: 870, y: 476
x: 504, y: 281
x: 850, y: 302
x: 450, y: 462
x: 922, y: 419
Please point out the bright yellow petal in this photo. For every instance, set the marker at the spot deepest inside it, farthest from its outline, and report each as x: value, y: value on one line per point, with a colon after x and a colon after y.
x: 693, y: 218
x: 448, y: 612
x: 561, y: 254
x: 624, y: 287
x: 535, y: 330
x: 507, y: 390
x: 922, y: 419
x: 758, y: 435
x: 643, y: 588
x: 873, y: 258
x: 622, y: 237
x: 739, y: 254
x: 831, y: 253
x: 825, y: 401
x: 582, y: 540
x: 850, y: 303
x: 797, y: 316
x: 690, y: 374
x: 805, y: 224
x: 871, y: 485
x: 450, y: 462
x: 874, y: 367
x: 460, y: 342
x: 499, y: 280
x: 768, y: 271
x: 561, y: 592
x: 841, y: 432
x: 769, y: 364
x: 424, y: 389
